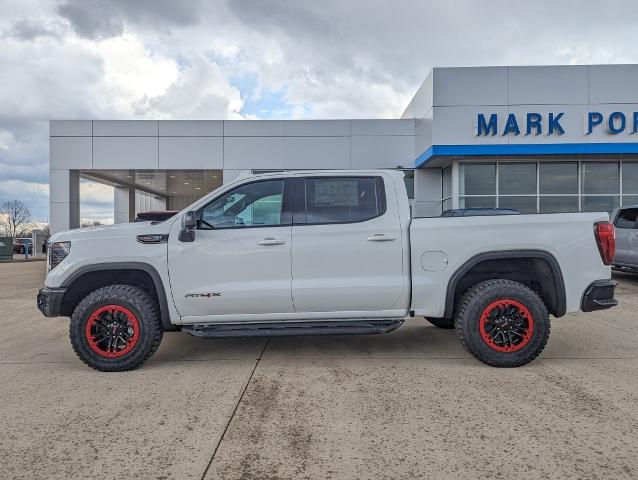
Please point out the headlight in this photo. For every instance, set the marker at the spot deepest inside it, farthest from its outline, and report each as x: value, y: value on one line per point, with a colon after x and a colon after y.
x: 56, y: 252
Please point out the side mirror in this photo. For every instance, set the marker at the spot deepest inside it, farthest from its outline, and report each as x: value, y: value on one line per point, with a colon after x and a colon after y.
x: 191, y: 219
x: 190, y: 222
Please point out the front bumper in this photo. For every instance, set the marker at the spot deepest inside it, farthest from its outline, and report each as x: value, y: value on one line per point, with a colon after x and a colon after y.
x: 599, y: 296
x: 50, y: 301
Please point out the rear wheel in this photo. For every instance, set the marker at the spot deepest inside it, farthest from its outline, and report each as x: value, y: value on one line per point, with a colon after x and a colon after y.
x: 116, y: 328
x: 447, y: 323
x: 502, y: 323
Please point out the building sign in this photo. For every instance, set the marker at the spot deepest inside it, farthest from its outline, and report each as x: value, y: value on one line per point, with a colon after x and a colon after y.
x: 532, y: 123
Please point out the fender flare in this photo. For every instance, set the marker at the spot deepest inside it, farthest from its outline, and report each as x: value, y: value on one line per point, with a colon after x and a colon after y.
x: 144, y: 267
x: 559, y: 283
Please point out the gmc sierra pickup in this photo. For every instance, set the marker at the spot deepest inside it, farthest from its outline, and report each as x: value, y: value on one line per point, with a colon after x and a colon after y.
x: 324, y: 252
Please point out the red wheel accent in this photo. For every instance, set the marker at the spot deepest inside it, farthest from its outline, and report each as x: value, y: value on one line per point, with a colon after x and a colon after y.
x: 506, y: 325
x: 112, y: 331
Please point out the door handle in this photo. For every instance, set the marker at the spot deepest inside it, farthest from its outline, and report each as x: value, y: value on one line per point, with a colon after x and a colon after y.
x: 380, y: 237
x: 271, y: 241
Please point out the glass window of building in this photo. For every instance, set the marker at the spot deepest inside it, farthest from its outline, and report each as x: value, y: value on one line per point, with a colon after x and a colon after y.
x: 477, y: 202
x: 600, y: 203
x: 517, y: 179
x: 522, y: 204
x: 630, y: 199
x: 446, y: 188
x: 630, y: 178
x: 478, y: 179
x: 558, y: 204
x: 600, y: 178
x: 558, y: 178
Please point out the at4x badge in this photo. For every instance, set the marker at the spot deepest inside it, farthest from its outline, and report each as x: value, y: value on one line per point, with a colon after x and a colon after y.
x: 203, y: 295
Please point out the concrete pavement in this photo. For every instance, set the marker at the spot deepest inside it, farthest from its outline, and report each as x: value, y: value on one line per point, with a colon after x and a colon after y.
x: 410, y: 404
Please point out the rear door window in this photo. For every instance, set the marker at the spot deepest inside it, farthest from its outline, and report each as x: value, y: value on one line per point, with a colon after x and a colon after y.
x: 342, y: 200
x: 627, y: 218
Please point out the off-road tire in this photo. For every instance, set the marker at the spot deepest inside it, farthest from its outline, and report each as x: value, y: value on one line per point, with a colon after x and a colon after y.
x: 474, y: 303
x: 136, y: 301
x: 446, y: 323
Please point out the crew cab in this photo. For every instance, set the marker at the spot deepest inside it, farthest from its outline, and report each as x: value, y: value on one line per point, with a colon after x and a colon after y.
x: 324, y: 252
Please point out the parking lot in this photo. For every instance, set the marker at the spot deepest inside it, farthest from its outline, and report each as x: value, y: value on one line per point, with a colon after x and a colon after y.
x: 410, y: 404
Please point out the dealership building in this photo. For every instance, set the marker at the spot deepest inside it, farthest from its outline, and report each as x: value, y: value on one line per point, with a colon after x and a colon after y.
x: 540, y: 139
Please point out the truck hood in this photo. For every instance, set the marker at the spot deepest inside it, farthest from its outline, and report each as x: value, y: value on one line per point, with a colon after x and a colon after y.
x: 113, y: 231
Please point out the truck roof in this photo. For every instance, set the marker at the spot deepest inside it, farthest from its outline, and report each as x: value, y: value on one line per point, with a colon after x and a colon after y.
x: 300, y: 173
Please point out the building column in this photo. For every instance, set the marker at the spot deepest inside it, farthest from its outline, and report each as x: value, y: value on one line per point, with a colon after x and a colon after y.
x: 64, y: 200
x: 455, y: 183
x: 427, y: 192
x: 123, y: 204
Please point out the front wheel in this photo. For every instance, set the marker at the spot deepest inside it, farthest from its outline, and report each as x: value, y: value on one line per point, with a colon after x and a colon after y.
x: 116, y: 328
x: 502, y: 323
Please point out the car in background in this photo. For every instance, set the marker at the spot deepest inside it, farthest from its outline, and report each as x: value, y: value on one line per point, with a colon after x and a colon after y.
x: 155, y: 216
x: 19, y: 244
x: 626, y: 222
x: 478, y: 212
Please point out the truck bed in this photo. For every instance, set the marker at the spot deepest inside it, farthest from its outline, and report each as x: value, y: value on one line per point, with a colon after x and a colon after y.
x: 440, y: 246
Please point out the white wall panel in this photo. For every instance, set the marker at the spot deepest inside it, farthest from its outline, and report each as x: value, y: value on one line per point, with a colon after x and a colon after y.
x: 548, y: 85
x: 457, y: 125
x: 572, y: 121
x: 422, y: 101
x: 253, y: 128
x: 426, y: 209
x: 316, y: 152
x: 382, y: 152
x: 245, y: 153
x: 59, y: 216
x: 423, y: 134
x: 613, y: 84
x: 601, y: 134
x: 382, y: 127
x: 428, y: 184
x: 191, y: 152
x: 191, y: 128
x: 125, y: 128
x: 316, y: 128
x: 59, y: 186
x: 470, y: 86
x: 125, y: 152
x: 70, y: 152
x: 70, y: 128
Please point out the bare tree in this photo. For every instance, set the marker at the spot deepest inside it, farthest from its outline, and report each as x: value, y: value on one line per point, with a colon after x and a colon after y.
x: 15, y: 217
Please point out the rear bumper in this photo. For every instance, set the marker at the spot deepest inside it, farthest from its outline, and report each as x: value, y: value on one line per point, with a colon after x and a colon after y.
x: 50, y: 300
x: 599, y: 296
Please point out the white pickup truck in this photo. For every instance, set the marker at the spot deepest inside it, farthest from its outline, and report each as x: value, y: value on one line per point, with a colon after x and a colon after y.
x: 324, y: 252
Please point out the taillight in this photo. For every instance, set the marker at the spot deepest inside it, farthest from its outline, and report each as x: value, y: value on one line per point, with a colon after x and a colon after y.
x: 606, y: 240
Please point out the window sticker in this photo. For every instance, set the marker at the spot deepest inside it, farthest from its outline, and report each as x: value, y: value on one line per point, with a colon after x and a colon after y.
x: 329, y: 193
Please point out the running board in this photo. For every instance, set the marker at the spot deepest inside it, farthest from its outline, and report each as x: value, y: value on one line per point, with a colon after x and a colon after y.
x: 290, y: 328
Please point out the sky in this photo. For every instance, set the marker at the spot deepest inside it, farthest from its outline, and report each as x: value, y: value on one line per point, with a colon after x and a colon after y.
x: 234, y: 59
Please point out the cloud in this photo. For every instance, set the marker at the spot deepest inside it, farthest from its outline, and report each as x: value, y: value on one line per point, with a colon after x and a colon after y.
x: 99, y: 19
x: 200, y: 92
x: 303, y: 59
x: 29, y: 29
